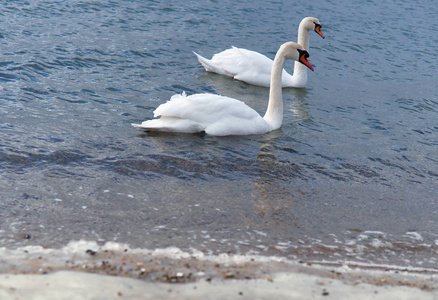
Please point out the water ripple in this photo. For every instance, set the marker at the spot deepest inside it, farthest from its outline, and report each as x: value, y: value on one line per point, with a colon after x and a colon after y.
x: 75, y: 74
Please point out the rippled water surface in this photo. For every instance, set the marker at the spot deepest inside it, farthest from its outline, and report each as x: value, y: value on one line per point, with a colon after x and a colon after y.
x: 351, y: 175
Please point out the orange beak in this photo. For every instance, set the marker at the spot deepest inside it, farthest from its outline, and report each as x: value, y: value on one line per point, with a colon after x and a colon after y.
x: 305, y: 61
x: 318, y: 31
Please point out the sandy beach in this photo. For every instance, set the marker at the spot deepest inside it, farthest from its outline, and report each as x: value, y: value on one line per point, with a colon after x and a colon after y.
x: 85, y: 270
x: 79, y: 285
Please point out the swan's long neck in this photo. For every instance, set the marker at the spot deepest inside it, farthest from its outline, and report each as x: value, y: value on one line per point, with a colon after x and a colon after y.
x: 303, y: 35
x: 274, y: 113
x: 300, y: 70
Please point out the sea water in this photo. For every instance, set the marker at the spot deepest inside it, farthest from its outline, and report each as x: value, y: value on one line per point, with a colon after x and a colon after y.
x: 350, y: 176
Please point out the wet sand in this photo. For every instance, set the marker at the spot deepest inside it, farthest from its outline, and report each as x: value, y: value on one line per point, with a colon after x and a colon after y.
x: 85, y: 270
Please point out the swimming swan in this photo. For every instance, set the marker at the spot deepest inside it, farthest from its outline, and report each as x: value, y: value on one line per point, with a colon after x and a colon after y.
x: 219, y: 115
x: 255, y: 68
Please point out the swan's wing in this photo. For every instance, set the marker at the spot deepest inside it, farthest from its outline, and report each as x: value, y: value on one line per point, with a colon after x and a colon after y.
x: 248, y: 66
x: 238, y: 60
x: 214, y: 114
x: 204, y: 108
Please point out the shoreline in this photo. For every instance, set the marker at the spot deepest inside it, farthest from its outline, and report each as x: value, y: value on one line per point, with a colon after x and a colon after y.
x: 85, y: 270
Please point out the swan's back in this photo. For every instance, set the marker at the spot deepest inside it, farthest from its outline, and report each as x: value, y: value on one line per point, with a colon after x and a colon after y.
x: 248, y: 66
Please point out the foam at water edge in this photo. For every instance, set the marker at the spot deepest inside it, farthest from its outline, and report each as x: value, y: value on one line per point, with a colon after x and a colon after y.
x: 80, y: 250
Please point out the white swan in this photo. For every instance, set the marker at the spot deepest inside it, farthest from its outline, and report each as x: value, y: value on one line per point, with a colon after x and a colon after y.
x: 255, y: 68
x: 219, y: 115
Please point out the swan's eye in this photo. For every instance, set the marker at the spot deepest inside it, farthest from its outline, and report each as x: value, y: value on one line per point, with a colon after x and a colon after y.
x: 303, y: 53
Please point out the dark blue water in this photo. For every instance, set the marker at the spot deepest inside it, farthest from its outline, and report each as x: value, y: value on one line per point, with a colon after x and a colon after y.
x: 351, y: 175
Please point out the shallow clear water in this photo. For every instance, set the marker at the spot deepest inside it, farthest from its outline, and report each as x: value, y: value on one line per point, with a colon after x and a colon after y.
x: 351, y: 175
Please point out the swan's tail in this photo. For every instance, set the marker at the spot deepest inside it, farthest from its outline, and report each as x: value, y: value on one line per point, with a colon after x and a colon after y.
x: 210, y: 66
x: 153, y: 125
x: 166, y: 124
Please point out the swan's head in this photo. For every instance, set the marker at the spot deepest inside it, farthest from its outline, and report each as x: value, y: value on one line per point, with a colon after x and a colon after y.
x: 296, y: 52
x: 312, y: 24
